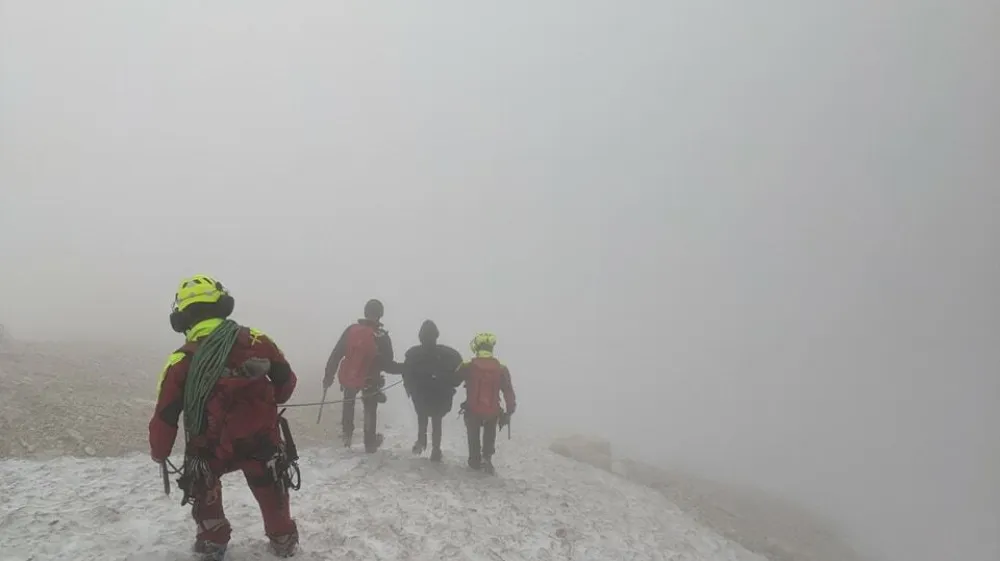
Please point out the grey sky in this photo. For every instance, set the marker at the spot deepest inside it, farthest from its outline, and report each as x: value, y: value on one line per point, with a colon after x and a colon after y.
x: 758, y: 240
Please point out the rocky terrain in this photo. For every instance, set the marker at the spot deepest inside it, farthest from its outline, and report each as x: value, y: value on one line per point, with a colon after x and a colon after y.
x: 761, y: 523
x: 62, y: 399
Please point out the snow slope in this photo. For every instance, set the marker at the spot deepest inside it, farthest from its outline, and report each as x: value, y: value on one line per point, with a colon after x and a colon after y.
x: 389, y: 505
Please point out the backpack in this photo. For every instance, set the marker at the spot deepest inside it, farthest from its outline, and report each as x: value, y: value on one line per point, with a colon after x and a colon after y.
x: 360, y: 353
x: 483, y: 387
x: 240, y: 406
x: 432, y: 368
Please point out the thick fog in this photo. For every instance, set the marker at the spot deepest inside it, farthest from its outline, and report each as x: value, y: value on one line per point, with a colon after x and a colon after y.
x: 757, y: 241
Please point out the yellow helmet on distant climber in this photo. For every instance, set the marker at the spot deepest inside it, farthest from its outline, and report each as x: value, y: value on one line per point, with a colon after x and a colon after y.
x: 209, y: 298
x: 483, y: 342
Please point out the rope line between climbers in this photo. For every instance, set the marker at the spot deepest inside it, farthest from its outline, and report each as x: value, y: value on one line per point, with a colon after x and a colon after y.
x: 392, y: 385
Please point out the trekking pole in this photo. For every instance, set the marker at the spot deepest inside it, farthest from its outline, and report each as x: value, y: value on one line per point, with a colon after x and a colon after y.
x: 322, y: 402
x: 166, y: 478
x: 508, y: 428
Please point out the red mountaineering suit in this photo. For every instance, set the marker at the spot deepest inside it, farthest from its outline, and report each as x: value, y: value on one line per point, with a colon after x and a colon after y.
x: 242, y: 431
x: 485, y: 379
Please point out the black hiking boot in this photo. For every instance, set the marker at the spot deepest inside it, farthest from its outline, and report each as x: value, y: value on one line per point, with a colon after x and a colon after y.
x: 372, y: 447
x: 436, y: 455
x: 420, y: 445
x: 488, y: 466
x: 210, y: 551
x: 285, y: 546
x: 475, y: 463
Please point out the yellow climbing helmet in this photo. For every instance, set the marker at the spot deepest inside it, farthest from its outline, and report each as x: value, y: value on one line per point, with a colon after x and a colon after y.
x: 199, y: 288
x: 483, y: 342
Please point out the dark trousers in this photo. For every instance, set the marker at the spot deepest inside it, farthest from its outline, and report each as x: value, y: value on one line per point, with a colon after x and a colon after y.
x: 485, y: 428
x: 370, y: 405
x: 435, y: 430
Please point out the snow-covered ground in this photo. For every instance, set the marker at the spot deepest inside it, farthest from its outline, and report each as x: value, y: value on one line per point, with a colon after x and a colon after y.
x: 389, y: 505
x: 69, y: 412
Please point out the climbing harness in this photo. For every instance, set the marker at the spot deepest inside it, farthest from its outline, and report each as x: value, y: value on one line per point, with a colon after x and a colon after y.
x: 196, y: 478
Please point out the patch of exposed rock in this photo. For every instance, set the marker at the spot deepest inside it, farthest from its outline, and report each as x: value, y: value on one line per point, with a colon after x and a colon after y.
x: 592, y: 451
x: 776, y: 529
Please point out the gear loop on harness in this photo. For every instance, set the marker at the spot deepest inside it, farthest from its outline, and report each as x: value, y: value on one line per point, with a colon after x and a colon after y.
x: 195, y: 479
x: 285, y: 461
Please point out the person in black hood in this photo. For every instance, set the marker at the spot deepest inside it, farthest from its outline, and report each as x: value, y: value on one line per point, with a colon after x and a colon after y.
x: 430, y: 379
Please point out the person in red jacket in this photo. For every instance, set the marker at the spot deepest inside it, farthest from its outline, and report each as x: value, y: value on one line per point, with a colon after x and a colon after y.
x: 485, y: 379
x: 228, y: 381
x: 362, y: 353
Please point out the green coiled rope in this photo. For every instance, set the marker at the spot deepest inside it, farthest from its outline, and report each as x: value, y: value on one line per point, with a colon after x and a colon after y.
x: 207, y: 366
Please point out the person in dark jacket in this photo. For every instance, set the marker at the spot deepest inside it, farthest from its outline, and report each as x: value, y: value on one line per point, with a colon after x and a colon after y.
x: 430, y: 377
x: 361, y: 355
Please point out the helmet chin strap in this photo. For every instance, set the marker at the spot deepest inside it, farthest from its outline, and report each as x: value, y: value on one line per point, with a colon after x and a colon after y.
x: 179, y: 321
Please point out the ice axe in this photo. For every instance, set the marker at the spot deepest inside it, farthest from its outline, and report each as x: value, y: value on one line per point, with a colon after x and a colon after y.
x: 505, y: 420
x: 322, y: 402
x: 166, y: 478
